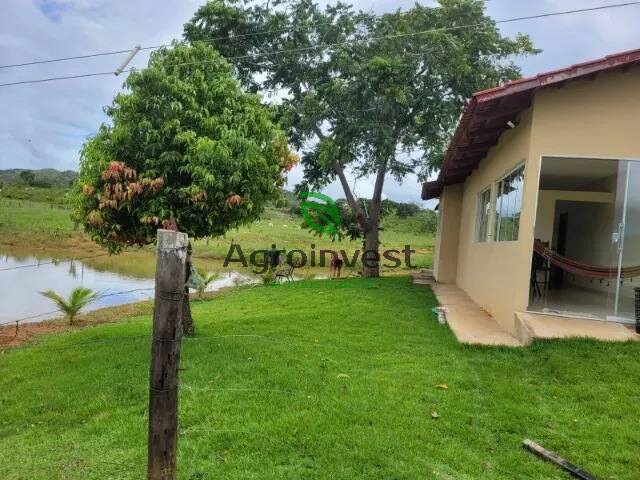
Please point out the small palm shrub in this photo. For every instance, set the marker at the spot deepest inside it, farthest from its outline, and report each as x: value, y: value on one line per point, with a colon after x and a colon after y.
x: 207, y: 278
x: 269, y: 276
x: 79, y: 298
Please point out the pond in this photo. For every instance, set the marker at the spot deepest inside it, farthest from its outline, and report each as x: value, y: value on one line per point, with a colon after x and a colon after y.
x: 24, y: 278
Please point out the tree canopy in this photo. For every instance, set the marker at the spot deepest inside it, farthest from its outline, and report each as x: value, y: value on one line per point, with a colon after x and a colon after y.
x: 372, y: 95
x: 186, y: 148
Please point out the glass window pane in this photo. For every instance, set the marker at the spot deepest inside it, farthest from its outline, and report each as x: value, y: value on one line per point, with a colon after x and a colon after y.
x: 484, y: 204
x: 509, y: 206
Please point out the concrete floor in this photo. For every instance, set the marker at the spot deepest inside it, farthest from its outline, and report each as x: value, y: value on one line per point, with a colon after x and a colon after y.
x: 535, y: 325
x: 471, y: 324
x: 468, y: 321
x: 579, y: 302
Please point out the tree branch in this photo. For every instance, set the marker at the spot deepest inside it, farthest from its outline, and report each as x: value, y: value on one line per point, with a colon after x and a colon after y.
x: 318, y: 132
x: 351, y: 200
x: 376, y: 200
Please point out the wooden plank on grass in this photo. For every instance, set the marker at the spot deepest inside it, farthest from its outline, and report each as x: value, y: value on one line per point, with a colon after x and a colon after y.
x: 557, y: 460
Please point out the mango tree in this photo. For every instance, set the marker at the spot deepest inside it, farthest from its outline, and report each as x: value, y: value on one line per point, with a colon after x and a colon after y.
x: 186, y: 148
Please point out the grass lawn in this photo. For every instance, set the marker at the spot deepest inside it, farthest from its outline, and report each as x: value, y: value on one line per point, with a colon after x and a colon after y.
x: 320, y: 380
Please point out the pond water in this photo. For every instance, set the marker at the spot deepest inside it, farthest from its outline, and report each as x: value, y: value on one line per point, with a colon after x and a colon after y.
x: 24, y: 278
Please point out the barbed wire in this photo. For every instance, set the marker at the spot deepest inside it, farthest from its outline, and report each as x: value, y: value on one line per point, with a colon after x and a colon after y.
x: 53, y: 262
x: 75, y: 259
x: 207, y: 338
x: 293, y: 284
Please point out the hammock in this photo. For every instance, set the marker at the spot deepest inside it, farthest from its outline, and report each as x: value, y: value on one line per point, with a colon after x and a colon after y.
x: 582, y: 269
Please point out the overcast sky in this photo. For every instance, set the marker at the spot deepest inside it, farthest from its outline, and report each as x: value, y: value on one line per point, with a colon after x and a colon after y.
x: 44, y: 125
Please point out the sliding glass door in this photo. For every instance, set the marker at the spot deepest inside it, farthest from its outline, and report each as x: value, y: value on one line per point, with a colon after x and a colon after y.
x: 625, y: 244
x: 588, y: 217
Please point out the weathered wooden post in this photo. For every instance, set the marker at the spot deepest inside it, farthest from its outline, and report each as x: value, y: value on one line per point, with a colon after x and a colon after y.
x: 165, y: 355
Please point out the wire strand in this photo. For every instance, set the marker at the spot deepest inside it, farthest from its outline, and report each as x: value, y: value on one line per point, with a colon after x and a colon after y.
x: 164, y: 45
x: 132, y: 337
x: 312, y: 47
x: 53, y: 262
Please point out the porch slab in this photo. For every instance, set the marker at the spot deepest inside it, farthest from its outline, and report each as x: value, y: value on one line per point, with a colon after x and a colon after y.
x: 468, y: 321
x: 532, y: 326
x: 423, y: 277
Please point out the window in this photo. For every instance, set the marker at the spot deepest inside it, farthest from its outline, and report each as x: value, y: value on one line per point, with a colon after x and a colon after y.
x: 509, y: 205
x: 484, y: 213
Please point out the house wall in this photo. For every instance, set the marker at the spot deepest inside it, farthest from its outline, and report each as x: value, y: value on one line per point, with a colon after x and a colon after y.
x: 446, y: 251
x: 546, y: 216
x: 596, y: 118
x: 485, y: 269
x: 589, y: 239
x: 589, y: 233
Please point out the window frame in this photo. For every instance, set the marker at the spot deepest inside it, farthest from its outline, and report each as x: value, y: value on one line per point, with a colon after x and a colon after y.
x: 487, y: 216
x: 495, y: 232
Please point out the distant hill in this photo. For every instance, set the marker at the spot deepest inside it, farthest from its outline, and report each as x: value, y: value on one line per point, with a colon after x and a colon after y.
x: 44, y: 176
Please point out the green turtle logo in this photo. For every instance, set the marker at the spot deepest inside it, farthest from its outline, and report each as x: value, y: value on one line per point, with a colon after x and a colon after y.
x: 320, y: 217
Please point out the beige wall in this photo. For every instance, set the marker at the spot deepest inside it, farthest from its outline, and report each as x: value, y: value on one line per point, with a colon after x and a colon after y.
x: 593, y: 118
x: 546, y: 210
x: 486, y: 269
x: 446, y: 252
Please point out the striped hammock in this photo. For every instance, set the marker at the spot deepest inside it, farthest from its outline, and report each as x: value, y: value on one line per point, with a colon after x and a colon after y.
x: 582, y: 269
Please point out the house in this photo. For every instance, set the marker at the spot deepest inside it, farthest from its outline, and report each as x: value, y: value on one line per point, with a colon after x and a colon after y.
x: 539, y: 195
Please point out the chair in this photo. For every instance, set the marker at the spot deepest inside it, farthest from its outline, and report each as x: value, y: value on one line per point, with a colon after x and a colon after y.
x: 285, y: 271
x: 539, y: 264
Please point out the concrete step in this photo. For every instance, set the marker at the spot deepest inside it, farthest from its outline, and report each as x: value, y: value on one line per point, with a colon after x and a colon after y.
x: 423, y: 277
x: 531, y: 326
x: 469, y: 322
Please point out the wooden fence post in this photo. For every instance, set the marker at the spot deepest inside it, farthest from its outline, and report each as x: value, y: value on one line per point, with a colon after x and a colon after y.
x: 165, y: 355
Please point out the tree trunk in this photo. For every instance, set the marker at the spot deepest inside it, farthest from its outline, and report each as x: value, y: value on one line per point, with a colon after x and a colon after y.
x: 371, y: 255
x: 187, y: 320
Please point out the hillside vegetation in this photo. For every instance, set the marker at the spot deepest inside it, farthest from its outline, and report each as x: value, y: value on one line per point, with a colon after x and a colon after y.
x: 42, y: 177
x: 37, y: 221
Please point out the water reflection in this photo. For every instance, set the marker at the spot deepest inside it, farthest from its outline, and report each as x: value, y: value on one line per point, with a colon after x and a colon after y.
x: 20, y: 284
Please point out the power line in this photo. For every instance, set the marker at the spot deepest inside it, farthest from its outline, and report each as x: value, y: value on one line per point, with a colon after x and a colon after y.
x: 76, y: 57
x: 252, y: 34
x: 51, y: 79
x: 312, y: 47
x: 441, y: 29
x: 164, y: 45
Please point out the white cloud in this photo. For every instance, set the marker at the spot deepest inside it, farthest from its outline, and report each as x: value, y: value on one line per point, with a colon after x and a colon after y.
x: 45, y: 124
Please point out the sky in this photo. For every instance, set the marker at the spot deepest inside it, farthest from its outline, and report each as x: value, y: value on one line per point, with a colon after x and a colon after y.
x: 44, y: 125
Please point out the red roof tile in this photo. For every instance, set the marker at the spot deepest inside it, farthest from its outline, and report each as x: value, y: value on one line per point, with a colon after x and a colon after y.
x: 486, y: 116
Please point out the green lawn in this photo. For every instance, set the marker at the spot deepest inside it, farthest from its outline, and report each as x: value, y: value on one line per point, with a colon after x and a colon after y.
x: 42, y: 219
x: 331, y: 380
